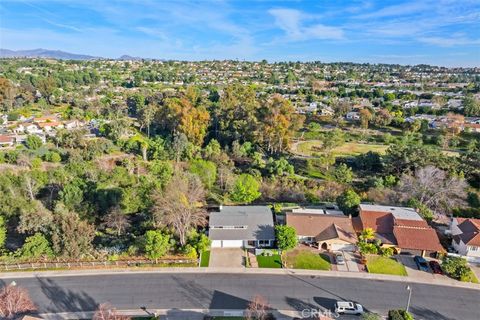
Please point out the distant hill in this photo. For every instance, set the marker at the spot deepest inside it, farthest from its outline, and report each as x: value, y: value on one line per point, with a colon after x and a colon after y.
x: 44, y: 53
x: 57, y: 54
x: 129, y: 58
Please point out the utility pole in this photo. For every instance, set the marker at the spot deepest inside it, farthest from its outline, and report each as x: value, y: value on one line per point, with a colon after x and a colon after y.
x: 409, y: 288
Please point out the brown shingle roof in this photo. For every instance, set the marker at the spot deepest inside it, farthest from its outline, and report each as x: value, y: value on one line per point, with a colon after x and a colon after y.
x: 322, y: 227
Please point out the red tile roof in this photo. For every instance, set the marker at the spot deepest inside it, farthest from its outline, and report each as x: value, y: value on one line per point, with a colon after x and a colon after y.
x: 417, y: 238
x: 381, y: 222
x: 404, y: 233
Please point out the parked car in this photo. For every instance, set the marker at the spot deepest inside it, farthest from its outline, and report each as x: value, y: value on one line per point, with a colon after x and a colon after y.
x: 435, y: 266
x: 339, y: 259
x: 422, y: 264
x: 348, y: 307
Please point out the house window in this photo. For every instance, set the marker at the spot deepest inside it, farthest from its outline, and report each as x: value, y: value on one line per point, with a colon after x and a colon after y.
x: 473, y: 248
x: 263, y: 243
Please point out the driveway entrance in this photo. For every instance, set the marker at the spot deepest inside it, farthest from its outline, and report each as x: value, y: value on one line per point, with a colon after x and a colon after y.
x: 227, y: 258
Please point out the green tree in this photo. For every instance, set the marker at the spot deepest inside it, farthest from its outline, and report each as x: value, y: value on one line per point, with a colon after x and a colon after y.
x: 33, y: 142
x: 52, y: 156
x: 246, y: 189
x: 3, y: 233
x: 286, y: 237
x: 279, y: 167
x: 471, y: 106
x: 343, y: 174
x: 199, y: 241
x: 35, y: 246
x: 71, y: 236
x: 205, y: 170
x: 348, y: 201
x: 157, y: 244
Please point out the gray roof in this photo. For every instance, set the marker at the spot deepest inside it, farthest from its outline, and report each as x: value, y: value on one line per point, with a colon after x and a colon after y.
x: 398, y: 212
x: 243, y: 222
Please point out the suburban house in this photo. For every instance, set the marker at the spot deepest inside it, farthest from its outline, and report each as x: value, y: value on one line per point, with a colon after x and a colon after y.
x: 327, y: 229
x: 400, y: 228
x: 352, y: 116
x: 466, y: 237
x: 6, y: 141
x: 242, y: 227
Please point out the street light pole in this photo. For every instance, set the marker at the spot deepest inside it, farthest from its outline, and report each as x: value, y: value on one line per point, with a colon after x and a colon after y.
x: 409, y: 288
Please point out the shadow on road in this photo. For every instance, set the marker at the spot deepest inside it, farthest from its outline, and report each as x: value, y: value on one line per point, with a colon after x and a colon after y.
x: 299, y: 305
x: 318, y: 287
x: 222, y: 300
x: 63, y: 300
x: 424, y: 313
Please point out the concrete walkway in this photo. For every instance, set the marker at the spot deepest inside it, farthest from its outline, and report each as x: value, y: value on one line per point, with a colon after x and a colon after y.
x: 444, y: 281
x: 177, y: 314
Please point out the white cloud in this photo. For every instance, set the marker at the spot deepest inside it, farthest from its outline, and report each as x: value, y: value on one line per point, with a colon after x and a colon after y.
x: 449, y: 41
x: 292, y: 22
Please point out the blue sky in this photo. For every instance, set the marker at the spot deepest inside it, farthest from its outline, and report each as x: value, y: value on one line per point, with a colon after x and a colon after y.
x: 441, y: 32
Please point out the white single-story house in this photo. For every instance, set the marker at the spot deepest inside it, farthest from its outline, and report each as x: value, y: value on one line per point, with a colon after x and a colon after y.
x: 466, y: 237
x: 242, y: 227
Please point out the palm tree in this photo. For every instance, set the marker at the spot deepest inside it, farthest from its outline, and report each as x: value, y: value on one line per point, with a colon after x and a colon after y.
x: 367, y: 234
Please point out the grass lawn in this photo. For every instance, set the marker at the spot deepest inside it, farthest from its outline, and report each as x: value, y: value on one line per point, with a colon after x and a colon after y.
x: 471, y: 277
x: 273, y: 261
x: 304, y: 259
x: 383, y: 265
x: 347, y: 149
x: 205, y: 258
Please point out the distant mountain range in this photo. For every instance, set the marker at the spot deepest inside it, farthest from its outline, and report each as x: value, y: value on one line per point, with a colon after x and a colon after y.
x: 53, y: 54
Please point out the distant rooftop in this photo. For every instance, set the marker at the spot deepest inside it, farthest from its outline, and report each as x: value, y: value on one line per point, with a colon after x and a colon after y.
x: 315, y: 211
x: 403, y: 213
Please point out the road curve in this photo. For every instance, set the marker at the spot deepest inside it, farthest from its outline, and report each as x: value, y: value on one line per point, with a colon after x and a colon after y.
x: 233, y: 291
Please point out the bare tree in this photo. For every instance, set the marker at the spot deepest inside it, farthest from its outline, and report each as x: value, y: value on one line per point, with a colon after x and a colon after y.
x: 181, y: 205
x: 106, y: 312
x: 257, y: 308
x: 116, y: 220
x: 14, y: 301
x: 434, y: 188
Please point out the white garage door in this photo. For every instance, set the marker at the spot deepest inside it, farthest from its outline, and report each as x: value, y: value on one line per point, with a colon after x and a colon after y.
x: 344, y: 247
x: 216, y: 243
x: 232, y: 243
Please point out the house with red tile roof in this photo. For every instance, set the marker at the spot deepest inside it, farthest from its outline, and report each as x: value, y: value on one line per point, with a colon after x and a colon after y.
x: 400, y: 228
x: 466, y: 236
x: 6, y: 141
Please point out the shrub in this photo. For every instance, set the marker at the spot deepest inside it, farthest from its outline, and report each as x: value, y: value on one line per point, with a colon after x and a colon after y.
x: 399, y: 315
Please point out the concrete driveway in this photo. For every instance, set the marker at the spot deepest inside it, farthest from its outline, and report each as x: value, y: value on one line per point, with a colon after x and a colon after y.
x: 351, y: 262
x: 227, y: 258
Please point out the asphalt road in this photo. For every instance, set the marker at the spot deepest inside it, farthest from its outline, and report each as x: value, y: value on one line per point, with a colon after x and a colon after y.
x: 230, y: 291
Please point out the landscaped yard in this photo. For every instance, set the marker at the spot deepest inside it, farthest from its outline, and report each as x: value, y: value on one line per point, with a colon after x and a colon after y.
x: 205, y: 259
x: 384, y: 265
x: 305, y: 259
x: 273, y: 261
x: 347, y: 149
